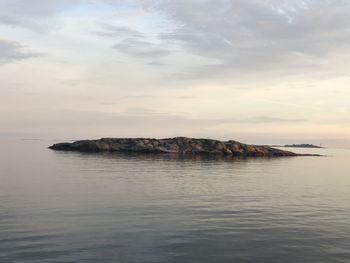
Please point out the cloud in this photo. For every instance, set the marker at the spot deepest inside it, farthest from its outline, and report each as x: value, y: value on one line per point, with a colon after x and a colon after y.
x: 11, y: 51
x: 232, y: 36
x: 141, y: 49
x: 156, y: 63
x: 34, y: 14
x: 141, y: 96
x: 185, y: 97
x: 146, y: 112
x: 135, y: 43
x: 240, y: 35
x: 267, y: 119
x: 118, y: 31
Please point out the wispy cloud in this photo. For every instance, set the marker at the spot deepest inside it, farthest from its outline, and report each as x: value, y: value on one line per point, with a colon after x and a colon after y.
x: 257, y: 35
x: 141, y: 49
x: 267, y: 119
x: 35, y: 15
x: 108, y: 30
x: 11, y: 51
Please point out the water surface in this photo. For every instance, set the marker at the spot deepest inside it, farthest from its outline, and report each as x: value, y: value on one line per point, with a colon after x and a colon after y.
x: 72, y: 207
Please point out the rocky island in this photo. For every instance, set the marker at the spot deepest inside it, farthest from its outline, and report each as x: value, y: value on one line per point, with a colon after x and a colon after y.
x: 177, y: 145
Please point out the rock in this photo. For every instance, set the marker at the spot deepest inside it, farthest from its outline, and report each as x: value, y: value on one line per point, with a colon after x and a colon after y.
x: 178, y: 145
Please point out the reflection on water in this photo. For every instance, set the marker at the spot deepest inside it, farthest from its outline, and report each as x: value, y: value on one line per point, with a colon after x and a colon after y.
x: 73, y: 207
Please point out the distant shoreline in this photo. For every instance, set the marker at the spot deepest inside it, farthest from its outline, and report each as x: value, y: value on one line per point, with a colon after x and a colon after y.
x: 298, y: 146
x: 302, y: 146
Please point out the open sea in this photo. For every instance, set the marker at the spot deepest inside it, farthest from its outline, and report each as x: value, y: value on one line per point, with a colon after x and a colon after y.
x: 71, y: 207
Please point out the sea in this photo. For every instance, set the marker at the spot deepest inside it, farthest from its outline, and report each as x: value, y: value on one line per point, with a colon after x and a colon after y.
x: 60, y: 207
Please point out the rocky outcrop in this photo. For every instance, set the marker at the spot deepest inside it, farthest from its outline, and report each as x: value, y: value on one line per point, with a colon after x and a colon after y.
x: 178, y: 145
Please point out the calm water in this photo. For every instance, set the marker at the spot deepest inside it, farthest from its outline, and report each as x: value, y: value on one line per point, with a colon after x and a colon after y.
x: 71, y: 207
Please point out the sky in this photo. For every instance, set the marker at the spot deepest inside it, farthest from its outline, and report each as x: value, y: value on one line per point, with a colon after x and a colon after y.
x: 258, y: 71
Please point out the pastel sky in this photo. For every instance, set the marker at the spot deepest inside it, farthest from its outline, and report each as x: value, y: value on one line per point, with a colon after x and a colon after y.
x: 259, y: 71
